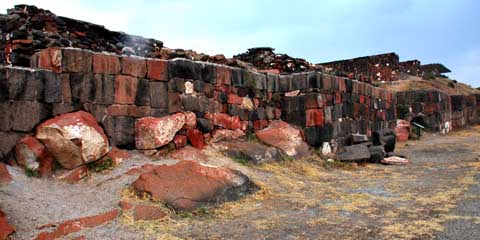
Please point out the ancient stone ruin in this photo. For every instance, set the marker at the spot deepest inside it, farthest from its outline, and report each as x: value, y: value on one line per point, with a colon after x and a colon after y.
x: 73, y: 94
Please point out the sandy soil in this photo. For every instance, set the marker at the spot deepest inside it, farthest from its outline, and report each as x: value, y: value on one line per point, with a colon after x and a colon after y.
x: 436, y: 196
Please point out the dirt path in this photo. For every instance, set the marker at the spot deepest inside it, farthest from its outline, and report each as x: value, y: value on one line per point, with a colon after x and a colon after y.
x: 436, y: 196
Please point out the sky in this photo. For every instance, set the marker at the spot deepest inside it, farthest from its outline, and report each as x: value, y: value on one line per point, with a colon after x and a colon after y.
x: 432, y: 31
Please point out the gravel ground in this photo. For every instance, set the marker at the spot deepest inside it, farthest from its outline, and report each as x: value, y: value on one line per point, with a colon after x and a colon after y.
x: 437, y: 196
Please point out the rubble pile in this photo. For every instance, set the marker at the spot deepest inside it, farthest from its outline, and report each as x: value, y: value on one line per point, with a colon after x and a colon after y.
x: 264, y: 59
x: 382, y: 67
x: 27, y: 29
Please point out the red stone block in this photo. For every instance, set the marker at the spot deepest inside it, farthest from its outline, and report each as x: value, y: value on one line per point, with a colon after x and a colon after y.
x: 65, y: 228
x: 236, y: 123
x: 125, y: 89
x: 74, y: 175
x: 234, y: 99
x: 5, y: 228
x: 220, y: 119
x: 32, y: 154
x: 157, y: 70
x: 338, y: 98
x: 134, y: 66
x: 196, y: 138
x: 51, y: 59
x: 224, y: 75
x: 128, y: 110
x: 311, y: 101
x: 314, y: 117
x: 118, y: 155
x: 362, y: 99
x: 180, y: 141
x: 260, y: 124
x: 105, y: 63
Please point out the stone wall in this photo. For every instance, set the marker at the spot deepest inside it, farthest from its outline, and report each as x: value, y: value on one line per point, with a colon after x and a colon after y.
x: 118, y: 89
x: 432, y: 106
x: 440, y: 111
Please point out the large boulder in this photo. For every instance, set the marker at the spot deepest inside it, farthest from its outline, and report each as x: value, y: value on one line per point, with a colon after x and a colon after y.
x: 73, y: 139
x: 152, y: 132
x: 285, y: 137
x: 188, y: 185
x: 32, y: 155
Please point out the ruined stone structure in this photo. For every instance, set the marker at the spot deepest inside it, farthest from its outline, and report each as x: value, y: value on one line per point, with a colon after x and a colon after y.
x: 382, y: 67
x: 47, y: 80
x: 118, y: 89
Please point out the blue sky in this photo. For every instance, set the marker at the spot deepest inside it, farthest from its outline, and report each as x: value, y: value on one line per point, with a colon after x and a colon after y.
x: 323, y: 30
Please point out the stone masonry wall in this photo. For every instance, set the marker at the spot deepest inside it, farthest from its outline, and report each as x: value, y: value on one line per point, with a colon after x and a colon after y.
x: 119, y: 89
x: 435, y: 107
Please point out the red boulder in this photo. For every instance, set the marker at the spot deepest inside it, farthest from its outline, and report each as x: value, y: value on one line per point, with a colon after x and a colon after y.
x: 73, y: 138
x: 151, y: 132
x: 285, y: 137
x: 33, y: 155
x: 188, y: 185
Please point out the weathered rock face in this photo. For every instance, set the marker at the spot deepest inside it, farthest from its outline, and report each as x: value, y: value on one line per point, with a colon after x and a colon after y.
x: 73, y: 139
x: 33, y: 155
x: 188, y: 184
x: 151, y: 132
x: 5, y: 228
x: 285, y: 137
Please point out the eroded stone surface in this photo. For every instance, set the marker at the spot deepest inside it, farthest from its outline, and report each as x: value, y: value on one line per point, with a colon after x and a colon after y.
x: 73, y: 138
x: 151, y: 132
x: 188, y: 184
x: 285, y: 137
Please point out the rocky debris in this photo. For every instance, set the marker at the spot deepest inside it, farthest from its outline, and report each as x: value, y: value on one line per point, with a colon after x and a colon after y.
x: 151, y: 132
x: 264, y: 58
x: 195, y: 137
x: 394, y: 160
x: 188, y: 185
x: 5, y: 228
x: 189, y: 153
x: 32, y: 155
x: 73, y: 139
x: 118, y: 156
x: 285, y: 137
x: 402, y: 130
x: 143, y: 212
x: 5, y: 177
x: 252, y: 152
x: 139, y: 170
x: 30, y: 29
x: 354, y: 153
x: 74, y: 175
x: 226, y: 135
x: 63, y: 229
